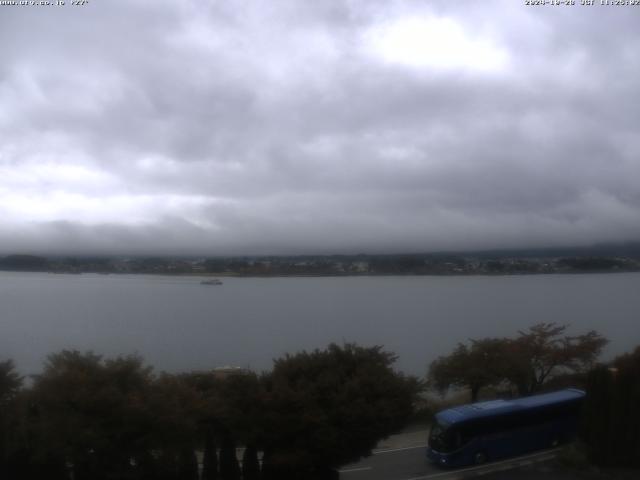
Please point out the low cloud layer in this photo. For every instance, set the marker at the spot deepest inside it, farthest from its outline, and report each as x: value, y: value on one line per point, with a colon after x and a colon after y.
x: 337, y: 126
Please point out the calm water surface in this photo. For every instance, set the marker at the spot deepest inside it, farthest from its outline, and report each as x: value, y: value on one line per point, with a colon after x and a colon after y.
x: 177, y: 324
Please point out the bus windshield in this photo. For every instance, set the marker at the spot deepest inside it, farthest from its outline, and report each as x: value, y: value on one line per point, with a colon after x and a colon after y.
x: 442, y: 437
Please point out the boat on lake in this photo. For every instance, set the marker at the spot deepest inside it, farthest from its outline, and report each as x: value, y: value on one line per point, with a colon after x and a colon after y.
x: 213, y: 281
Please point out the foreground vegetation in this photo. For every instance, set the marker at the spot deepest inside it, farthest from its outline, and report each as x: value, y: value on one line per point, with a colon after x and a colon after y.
x: 91, y: 418
x: 612, y: 413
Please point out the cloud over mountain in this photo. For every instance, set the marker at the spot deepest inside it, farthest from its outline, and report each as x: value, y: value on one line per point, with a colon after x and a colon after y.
x: 287, y: 126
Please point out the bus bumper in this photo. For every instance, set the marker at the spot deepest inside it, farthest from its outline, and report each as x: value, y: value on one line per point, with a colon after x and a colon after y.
x: 438, y: 458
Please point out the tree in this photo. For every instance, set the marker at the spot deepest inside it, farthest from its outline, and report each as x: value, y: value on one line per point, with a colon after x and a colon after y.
x: 230, y: 412
x: 526, y: 362
x: 187, y: 464
x: 475, y: 366
x: 93, y: 413
x: 229, y: 468
x: 611, y: 424
x: 330, y: 407
x: 210, y: 457
x: 175, y: 409
x: 10, y: 381
x: 250, y: 464
x: 544, y: 351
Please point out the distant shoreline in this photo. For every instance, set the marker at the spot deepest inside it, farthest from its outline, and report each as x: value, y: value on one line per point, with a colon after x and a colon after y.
x: 327, y: 266
x: 322, y: 275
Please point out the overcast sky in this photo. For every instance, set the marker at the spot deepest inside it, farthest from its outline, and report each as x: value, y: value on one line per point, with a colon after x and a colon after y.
x: 269, y: 126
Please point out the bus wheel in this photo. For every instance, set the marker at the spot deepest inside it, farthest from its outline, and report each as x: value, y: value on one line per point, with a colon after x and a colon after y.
x: 480, y: 458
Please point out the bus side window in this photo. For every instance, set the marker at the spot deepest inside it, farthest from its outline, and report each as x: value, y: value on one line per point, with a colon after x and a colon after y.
x: 457, y: 439
x: 508, y: 422
x: 467, y: 434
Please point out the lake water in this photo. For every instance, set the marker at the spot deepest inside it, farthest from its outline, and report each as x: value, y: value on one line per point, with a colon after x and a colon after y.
x: 176, y: 324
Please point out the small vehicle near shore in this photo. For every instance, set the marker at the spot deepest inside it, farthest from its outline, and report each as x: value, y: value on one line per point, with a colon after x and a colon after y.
x: 486, y: 431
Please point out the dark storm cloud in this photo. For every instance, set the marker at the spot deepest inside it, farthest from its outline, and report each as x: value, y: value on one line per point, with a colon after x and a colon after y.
x: 334, y: 126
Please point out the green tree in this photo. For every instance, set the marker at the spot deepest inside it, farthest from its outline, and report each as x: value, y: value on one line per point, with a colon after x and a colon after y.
x: 229, y: 468
x: 250, y: 464
x: 10, y: 381
x: 10, y: 384
x: 175, y: 409
x: 611, y: 417
x: 93, y: 413
x: 330, y: 407
x: 187, y: 464
x: 230, y: 411
x: 210, y: 457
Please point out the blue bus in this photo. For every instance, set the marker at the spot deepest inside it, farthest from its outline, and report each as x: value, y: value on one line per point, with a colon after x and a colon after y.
x: 496, y: 429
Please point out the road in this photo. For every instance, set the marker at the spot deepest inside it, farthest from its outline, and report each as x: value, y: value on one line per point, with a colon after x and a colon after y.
x: 410, y: 463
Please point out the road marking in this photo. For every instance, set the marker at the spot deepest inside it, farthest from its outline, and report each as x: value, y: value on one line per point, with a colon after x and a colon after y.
x: 388, y: 450
x: 359, y: 469
x: 547, y: 453
x: 378, y: 452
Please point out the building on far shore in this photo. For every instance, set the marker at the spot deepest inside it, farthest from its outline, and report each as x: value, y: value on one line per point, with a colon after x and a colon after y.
x: 229, y: 371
